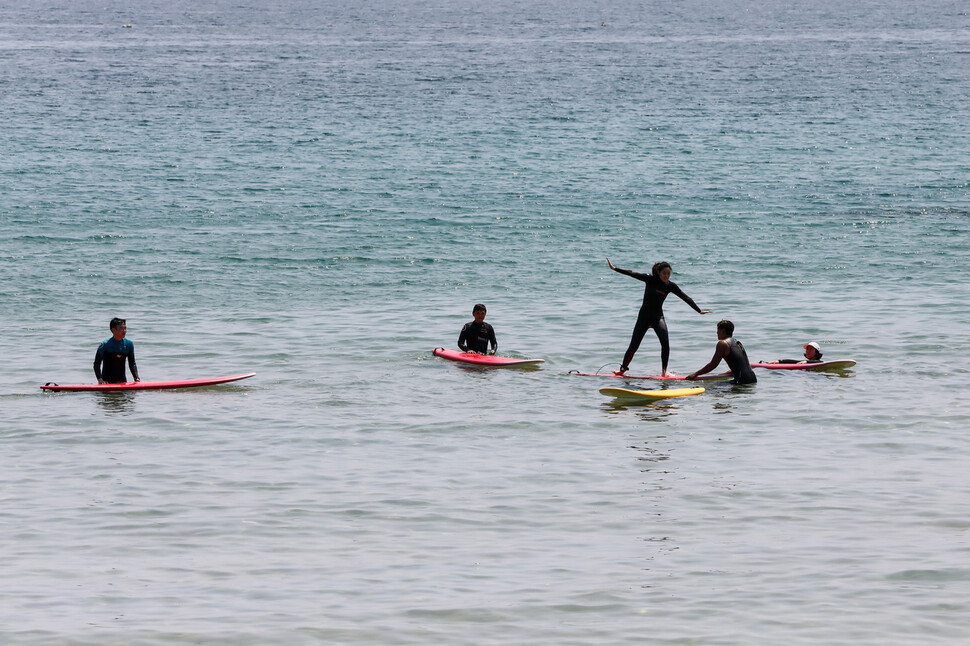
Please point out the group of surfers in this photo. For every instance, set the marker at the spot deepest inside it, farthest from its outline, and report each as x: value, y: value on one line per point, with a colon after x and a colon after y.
x: 478, y: 336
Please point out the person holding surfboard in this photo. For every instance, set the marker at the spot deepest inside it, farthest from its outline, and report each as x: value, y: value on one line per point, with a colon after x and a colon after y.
x: 732, y: 352
x: 813, y: 354
x: 477, y: 335
x: 658, y: 285
x: 112, y: 354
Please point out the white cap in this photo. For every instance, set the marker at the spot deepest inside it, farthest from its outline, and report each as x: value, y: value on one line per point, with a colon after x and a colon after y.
x: 812, y: 345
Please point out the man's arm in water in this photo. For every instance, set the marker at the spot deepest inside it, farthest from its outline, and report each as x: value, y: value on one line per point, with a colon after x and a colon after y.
x: 98, y: 357
x: 491, y: 339
x: 462, y: 345
x: 720, y: 352
x: 131, y: 362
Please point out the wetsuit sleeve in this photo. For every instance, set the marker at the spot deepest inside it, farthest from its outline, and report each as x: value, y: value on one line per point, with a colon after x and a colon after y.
x: 684, y: 297
x: 633, y: 274
x: 491, y: 338
x: 98, y: 357
x: 462, y: 339
x: 131, y: 362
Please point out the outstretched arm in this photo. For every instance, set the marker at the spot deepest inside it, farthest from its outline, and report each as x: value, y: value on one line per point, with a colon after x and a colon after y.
x: 627, y: 272
x: 720, y: 352
x: 687, y: 299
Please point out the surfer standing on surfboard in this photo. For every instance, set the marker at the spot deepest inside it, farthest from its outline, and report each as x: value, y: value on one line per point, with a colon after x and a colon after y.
x: 731, y: 350
x: 658, y: 285
x: 477, y: 335
x: 112, y: 353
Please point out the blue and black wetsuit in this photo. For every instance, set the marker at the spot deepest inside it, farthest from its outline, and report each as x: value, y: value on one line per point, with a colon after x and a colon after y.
x: 113, y: 353
x: 737, y: 360
x: 652, y: 315
x: 475, y: 337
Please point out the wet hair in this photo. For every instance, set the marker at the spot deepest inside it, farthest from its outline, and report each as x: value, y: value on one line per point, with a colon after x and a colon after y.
x: 727, y: 326
x: 478, y: 307
x: 659, y: 267
x: 116, y: 322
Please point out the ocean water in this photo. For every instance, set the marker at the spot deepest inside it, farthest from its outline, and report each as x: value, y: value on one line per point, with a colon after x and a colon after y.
x: 319, y: 193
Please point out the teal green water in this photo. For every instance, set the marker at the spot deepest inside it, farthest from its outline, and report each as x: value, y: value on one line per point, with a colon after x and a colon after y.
x: 319, y: 195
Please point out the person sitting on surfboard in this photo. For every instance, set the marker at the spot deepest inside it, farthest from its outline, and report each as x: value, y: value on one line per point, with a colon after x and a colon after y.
x: 813, y: 354
x: 112, y: 353
x: 731, y: 350
x: 477, y: 335
x: 658, y: 285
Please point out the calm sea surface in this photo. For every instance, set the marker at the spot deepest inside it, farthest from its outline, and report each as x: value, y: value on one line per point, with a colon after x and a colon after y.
x: 319, y: 193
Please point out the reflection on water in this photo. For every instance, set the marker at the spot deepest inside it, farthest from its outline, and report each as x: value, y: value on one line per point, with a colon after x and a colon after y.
x: 725, y: 393
x: 116, y: 403
x: 648, y: 411
x: 843, y: 373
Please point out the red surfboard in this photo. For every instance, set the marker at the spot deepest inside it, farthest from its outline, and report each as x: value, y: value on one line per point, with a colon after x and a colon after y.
x: 148, y: 385
x: 489, y: 360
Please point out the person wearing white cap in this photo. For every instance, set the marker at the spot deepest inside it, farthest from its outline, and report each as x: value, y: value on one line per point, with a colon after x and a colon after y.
x: 813, y: 354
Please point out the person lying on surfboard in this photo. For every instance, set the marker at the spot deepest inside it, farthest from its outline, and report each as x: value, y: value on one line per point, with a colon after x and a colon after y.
x: 658, y: 285
x: 732, y: 352
x: 112, y: 354
x: 813, y: 354
x: 477, y: 335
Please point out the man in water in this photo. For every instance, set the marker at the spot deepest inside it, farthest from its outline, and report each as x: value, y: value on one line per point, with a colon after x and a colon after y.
x: 731, y: 350
x: 477, y: 335
x: 112, y: 354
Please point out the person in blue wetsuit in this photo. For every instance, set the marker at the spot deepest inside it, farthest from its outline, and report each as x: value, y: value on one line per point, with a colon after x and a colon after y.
x: 477, y: 335
x: 658, y: 285
x: 109, y: 361
x: 732, y: 352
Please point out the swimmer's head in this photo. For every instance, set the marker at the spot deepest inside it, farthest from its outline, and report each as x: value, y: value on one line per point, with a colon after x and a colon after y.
x: 478, y: 308
x: 116, y: 323
x: 812, y: 350
x: 727, y: 327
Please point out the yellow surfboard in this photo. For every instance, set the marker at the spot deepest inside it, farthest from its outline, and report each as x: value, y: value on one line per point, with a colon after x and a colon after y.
x: 650, y: 395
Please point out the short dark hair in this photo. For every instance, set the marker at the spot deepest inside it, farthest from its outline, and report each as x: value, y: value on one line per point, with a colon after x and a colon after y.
x: 727, y: 326
x: 478, y: 306
x: 117, y: 322
x: 659, y: 267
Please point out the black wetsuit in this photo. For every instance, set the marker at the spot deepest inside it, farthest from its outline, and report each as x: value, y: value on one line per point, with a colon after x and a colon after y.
x: 817, y: 359
x: 113, y: 354
x: 475, y: 337
x: 652, y: 314
x: 737, y: 360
